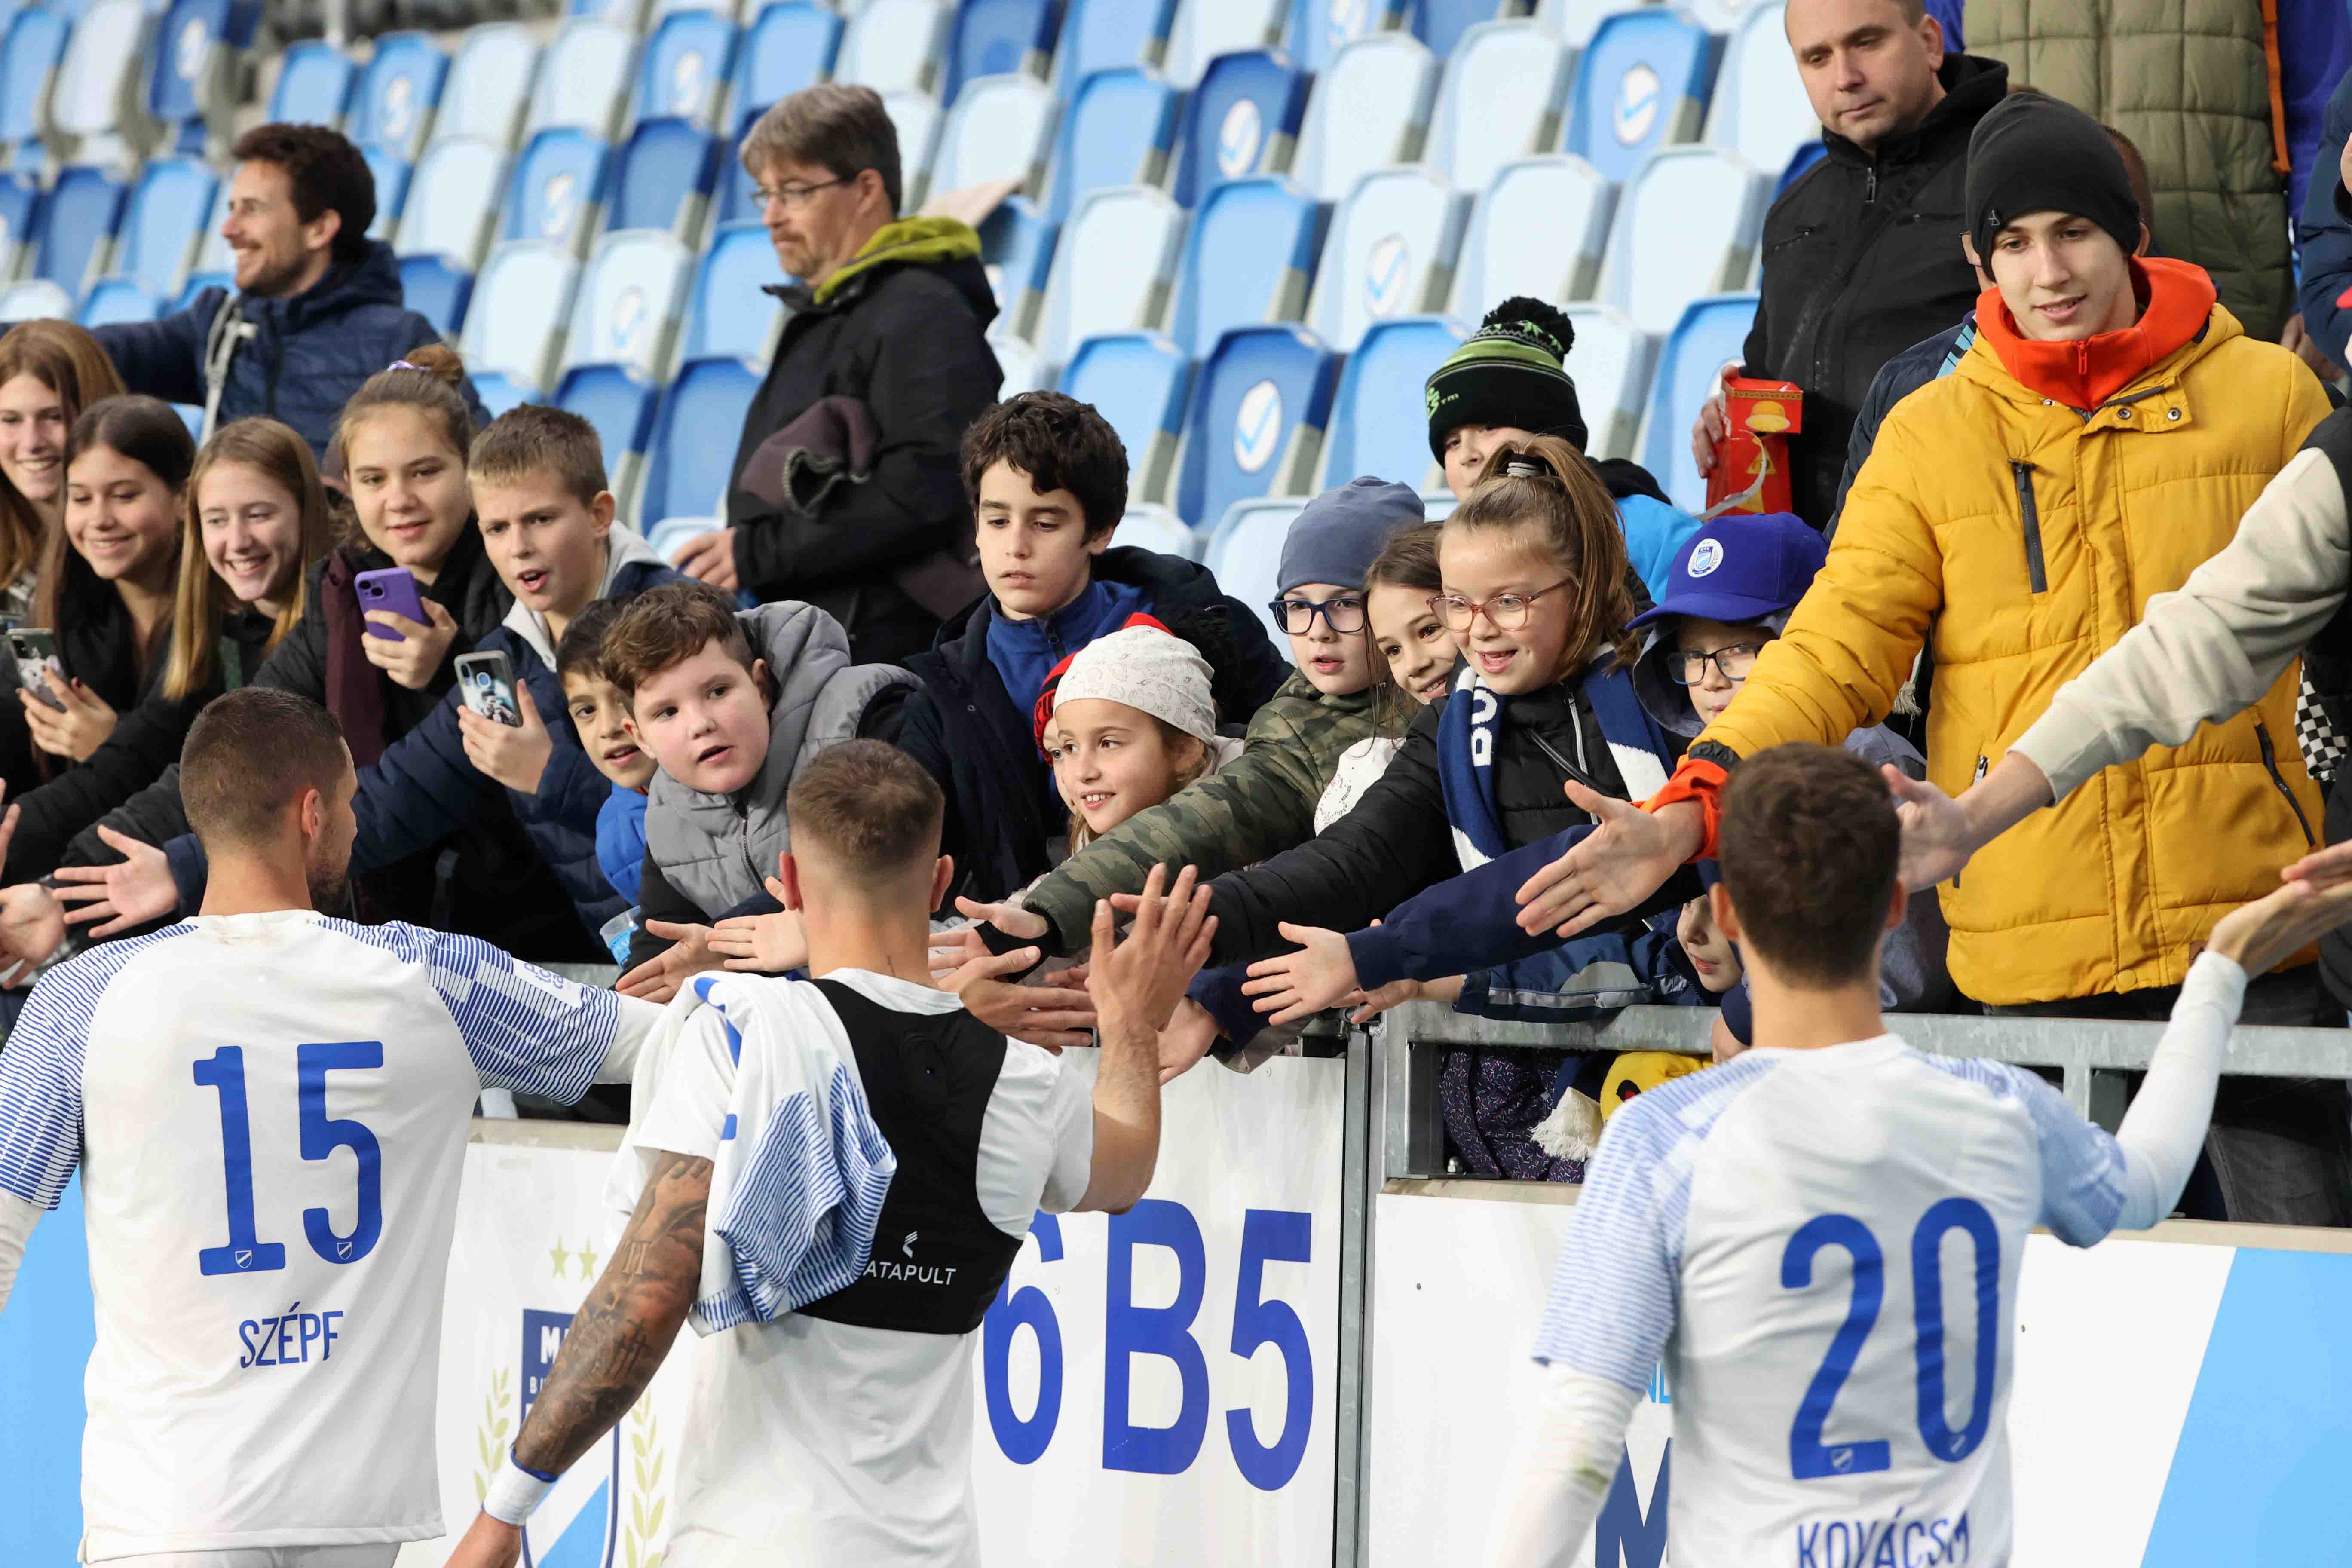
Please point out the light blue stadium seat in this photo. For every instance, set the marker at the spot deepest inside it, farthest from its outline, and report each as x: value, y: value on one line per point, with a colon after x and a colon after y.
x: 1242, y: 120
x: 1378, y: 426
x: 498, y: 395
x: 1119, y: 129
x: 193, y: 417
x: 398, y: 92
x: 1441, y: 23
x: 892, y: 46
x: 1000, y: 129
x: 35, y: 43
x: 1369, y: 110
x: 112, y: 300
x: 1259, y: 406
x: 457, y: 185
x: 1760, y: 109
x: 1245, y: 552
x: 662, y: 177
x: 583, y: 77
x: 790, y: 45
x: 439, y: 289
x: 1017, y: 365
x: 1113, y: 267
x: 627, y: 12
x: 1611, y: 362
x: 632, y: 294
x: 1390, y: 253
x: 35, y: 299
x: 1203, y: 29
x: 198, y: 282
x: 1711, y: 332
x: 392, y: 174
x: 691, y: 454
x: 1574, y: 22
x: 97, y: 96
x: 1687, y: 224
x: 1016, y: 246
x: 1506, y: 87
x: 1139, y: 381
x: 1643, y: 83
x: 489, y: 85
x: 619, y: 404
x: 686, y: 67
x: 916, y: 116
x: 1106, y: 34
x: 1802, y: 159
x: 525, y: 291
x: 1249, y: 258
x: 1539, y: 228
x: 1436, y: 506
x: 1319, y: 28
x: 162, y: 222
x: 213, y: 254
x: 81, y: 214
x: 730, y: 313
x: 665, y: 537
x: 997, y: 37
x: 191, y: 69
x: 556, y: 188
x: 314, y: 85
x: 1158, y: 530
x: 20, y: 216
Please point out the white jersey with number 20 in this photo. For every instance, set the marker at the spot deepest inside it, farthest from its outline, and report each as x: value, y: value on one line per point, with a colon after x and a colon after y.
x: 270, y: 1115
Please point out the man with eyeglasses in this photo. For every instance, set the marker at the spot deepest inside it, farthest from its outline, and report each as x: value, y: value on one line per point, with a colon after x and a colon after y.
x: 845, y: 490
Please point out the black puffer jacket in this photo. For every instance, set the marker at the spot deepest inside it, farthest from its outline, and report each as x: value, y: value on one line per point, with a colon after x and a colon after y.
x: 1862, y: 259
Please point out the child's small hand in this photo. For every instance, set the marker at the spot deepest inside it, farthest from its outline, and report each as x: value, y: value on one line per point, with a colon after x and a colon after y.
x: 1321, y: 973
x: 1185, y: 1040
x: 515, y: 755
x: 659, y: 977
x: 1022, y: 925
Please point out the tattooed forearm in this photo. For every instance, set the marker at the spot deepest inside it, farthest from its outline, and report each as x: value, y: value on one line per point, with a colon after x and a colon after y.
x: 625, y: 1328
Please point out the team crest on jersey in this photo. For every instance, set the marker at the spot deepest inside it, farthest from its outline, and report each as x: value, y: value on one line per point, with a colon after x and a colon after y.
x: 605, y: 1511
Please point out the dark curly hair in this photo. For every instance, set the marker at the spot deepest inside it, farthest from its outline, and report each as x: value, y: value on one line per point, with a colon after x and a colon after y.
x: 328, y: 173
x: 1061, y: 443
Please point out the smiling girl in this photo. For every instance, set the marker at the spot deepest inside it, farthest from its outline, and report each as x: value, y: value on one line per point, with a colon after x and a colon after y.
x: 49, y: 371
x: 1128, y: 723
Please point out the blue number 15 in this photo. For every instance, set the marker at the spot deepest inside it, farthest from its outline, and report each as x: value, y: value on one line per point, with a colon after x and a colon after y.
x: 224, y: 1071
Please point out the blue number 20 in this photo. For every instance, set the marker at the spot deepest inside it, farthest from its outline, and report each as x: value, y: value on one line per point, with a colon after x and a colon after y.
x: 1809, y: 1456
x: 224, y: 1071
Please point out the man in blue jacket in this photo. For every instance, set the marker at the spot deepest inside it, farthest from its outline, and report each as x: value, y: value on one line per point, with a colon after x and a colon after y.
x: 317, y: 308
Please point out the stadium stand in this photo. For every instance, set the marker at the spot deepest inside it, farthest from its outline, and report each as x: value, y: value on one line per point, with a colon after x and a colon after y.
x: 684, y: 71
x: 1250, y: 257
x: 1368, y: 109
x: 1374, y: 430
x: 78, y: 221
x: 1139, y: 381
x: 521, y: 302
x: 1016, y: 244
x: 1244, y: 551
x: 1106, y: 34
x: 692, y: 448
x: 1642, y: 82
x: 1390, y: 253
x: 1760, y: 111
x: 728, y: 307
x: 1613, y: 360
x: 1241, y: 120
x: 398, y: 93
x: 1504, y: 88
x: 314, y: 84
x: 662, y: 177
x: 1686, y: 225
x: 1259, y: 407
x: 1203, y: 29
x: 1157, y: 528
x: 488, y: 86
x: 557, y: 187
x: 1113, y: 268
x: 1001, y: 128
x: 1119, y: 129
x: 1710, y: 334
x: 997, y: 37
x: 894, y: 45
x: 1540, y: 228
x: 584, y: 79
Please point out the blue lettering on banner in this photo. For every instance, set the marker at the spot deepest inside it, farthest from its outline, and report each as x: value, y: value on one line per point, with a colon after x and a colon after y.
x: 1130, y: 1331
x: 1024, y: 1441
x: 1273, y: 1235
x: 292, y: 1338
x: 1623, y: 1533
x: 542, y: 1340
x: 1896, y: 1543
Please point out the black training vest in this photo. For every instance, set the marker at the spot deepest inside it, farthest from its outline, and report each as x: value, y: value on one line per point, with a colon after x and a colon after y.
x: 936, y: 1259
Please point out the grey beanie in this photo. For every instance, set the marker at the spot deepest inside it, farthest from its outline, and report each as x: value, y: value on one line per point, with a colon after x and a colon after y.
x: 1336, y: 537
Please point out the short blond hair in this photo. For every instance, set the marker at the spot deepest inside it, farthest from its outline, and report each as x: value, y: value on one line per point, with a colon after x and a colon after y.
x: 843, y: 130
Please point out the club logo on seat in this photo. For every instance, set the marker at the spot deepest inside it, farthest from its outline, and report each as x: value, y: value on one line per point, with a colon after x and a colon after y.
x: 555, y: 207
x: 1387, y: 271
x: 628, y: 319
x: 1257, y: 429
x: 1238, y: 138
x: 192, y: 49
x: 689, y: 84
x: 1349, y: 18
x: 1638, y: 92
x: 397, y: 114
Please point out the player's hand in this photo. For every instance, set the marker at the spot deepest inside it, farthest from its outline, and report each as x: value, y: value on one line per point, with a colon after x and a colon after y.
x: 711, y: 557
x: 416, y: 659
x: 1020, y: 925
x: 2259, y: 935
x: 515, y: 755
x: 130, y: 892
x: 491, y: 1544
x: 1054, y: 1017
x: 1321, y: 973
x: 32, y: 925
x: 83, y: 726
x: 1185, y: 1040
x: 659, y: 977
x: 1937, y: 836
x: 1714, y: 422
x: 1619, y: 864
x: 1139, y: 984
x: 760, y: 945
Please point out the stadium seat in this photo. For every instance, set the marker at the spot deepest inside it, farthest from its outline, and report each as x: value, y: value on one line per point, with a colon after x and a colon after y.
x: 1802, y: 159
x: 1242, y: 120
x: 1378, y: 426
x: 1368, y: 109
x: 97, y: 104
x: 397, y: 93
x: 686, y: 67
x: 629, y: 14
x: 892, y: 46
x: 790, y: 45
x: 490, y: 86
x: 1319, y: 29
x: 33, y: 299
x: 730, y: 313
x: 631, y: 295
x: 1441, y: 23
x: 665, y: 537
x: 583, y: 77
x: 1119, y: 129
x: 1107, y: 35
x: 20, y: 213
x: 1642, y: 83
x: 1016, y: 246
x: 1506, y: 86
x: 1139, y: 381
x: 213, y: 254
x: 192, y: 69
x: 662, y: 177
x: 29, y: 53
x: 439, y: 289
x: 1244, y: 552
x: 1001, y: 129
x: 1259, y: 404
x: 314, y: 84
x: 112, y: 300
x: 1539, y: 228
x: 1687, y: 224
x: 1711, y: 332
x: 1113, y: 267
x: 1573, y: 22
x: 198, y: 282
x: 81, y: 215
x: 160, y: 223
x: 997, y: 37
x: 691, y: 454
x: 392, y: 174
x: 1611, y: 362
x: 1017, y: 365
x: 1249, y: 258
x: 1390, y: 253
x: 525, y: 291
x: 916, y: 115
x: 1158, y: 529
x: 556, y: 188
x: 621, y: 406
x: 457, y: 185
x: 1760, y: 109
x: 498, y: 395
x: 1203, y: 29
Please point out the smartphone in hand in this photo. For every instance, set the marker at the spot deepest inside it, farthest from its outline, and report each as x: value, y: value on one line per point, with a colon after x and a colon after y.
x: 485, y: 685
x: 38, y: 669
x: 391, y: 589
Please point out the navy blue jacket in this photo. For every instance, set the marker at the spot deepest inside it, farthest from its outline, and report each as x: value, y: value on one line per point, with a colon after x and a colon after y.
x: 309, y: 353
x: 1930, y: 359
x: 2325, y: 229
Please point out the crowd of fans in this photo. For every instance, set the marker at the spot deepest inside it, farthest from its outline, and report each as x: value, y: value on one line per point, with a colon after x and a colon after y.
x: 1487, y: 770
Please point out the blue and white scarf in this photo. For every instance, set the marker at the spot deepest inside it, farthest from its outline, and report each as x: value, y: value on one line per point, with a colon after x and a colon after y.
x: 1472, y: 720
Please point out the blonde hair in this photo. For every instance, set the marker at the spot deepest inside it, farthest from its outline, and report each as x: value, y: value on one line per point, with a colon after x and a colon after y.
x: 1188, y: 773
x: 69, y: 362
x: 202, y: 599
x: 1546, y: 485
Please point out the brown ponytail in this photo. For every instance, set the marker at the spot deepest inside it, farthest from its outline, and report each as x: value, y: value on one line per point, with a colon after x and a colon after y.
x: 1546, y: 486
x: 427, y: 378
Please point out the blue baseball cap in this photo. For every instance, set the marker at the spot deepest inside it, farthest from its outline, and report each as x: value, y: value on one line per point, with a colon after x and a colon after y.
x: 1743, y: 567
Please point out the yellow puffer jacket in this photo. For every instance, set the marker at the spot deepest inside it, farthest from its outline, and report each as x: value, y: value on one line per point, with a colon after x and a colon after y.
x: 2024, y: 538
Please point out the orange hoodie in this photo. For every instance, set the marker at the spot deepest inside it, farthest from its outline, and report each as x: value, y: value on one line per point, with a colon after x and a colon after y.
x: 2087, y: 371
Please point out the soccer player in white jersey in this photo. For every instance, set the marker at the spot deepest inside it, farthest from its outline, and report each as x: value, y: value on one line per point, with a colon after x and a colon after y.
x: 269, y: 1109
x: 833, y: 1178
x: 1821, y: 1237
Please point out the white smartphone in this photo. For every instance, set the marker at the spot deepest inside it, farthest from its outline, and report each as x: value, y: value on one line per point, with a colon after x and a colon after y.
x: 485, y: 684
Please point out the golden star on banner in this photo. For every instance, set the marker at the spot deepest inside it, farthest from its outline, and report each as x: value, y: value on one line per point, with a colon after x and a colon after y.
x: 557, y: 1255
x: 587, y: 1262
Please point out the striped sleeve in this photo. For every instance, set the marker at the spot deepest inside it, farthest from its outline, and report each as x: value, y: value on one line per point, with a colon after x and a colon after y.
x: 2082, y: 1175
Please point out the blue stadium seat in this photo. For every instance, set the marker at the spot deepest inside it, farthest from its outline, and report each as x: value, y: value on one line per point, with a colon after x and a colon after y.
x: 489, y: 85
x: 916, y: 117
x: 1802, y: 159
x: 192, y: 69
x: 160, y: 224
x: 1158, y: 529
x: 35, y: 43
x: 35, y: 299
x: 1540, y: 228
x: 892, y: 46
x: 1203, y: 29
x: 1016, y: 246
x: 1320, y: 28
x: 392, y: 174
x: 439, y: 289
x: 1245, y: 552
x: 1139, y: 381
x: 556, y: 188
x: 1643, y: 83
x: 628, y: 14
x: 1249, y: 258
x: 691, y: 454
x: 583, y: 77
x: 1441, y: 23
x: 1711, y: 332
x: 789, y: 45
x: 314, y: 84
x: 83, y: 210
x: 686, y: 67
x: 631, y: 296
x: 397, y: 93
x: 1760, y: 109
x: 619, y: 404
x: 198, y: 282
x: 1377, y: 427
x: 731, y: 314
x: 1259, y: 407
x: 1242, y: 121
x: 1001, y: 129
x: 116, y: 300
x: 1504, y: 88
x: 457, y: 185
x: 1119, y: 129
x: 20, y: 216
x: 99, y: 82
x: 1687, y: 224
x: 1368, y: 109
x: 1112, y: 268
x: 498, y: 395
x: 1390, y: 253
x: 1106, y: 34
x: 662, y: 177
x: 997, y: 37
x: 1610, y: 360
x: 525, y: 291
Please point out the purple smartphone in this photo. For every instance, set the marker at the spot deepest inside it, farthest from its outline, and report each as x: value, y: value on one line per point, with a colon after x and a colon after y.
x: 391, y: 589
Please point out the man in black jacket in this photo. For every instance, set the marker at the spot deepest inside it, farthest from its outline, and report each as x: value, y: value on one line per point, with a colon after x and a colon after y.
x: 1862, y: 256
x: 889, y: 316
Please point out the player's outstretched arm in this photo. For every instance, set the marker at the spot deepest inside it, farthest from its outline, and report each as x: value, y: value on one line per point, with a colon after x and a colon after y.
x: 1136, y: 986
x: 1567, y: 1455
x: 17, y: 1218
x: 616, y: 1345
